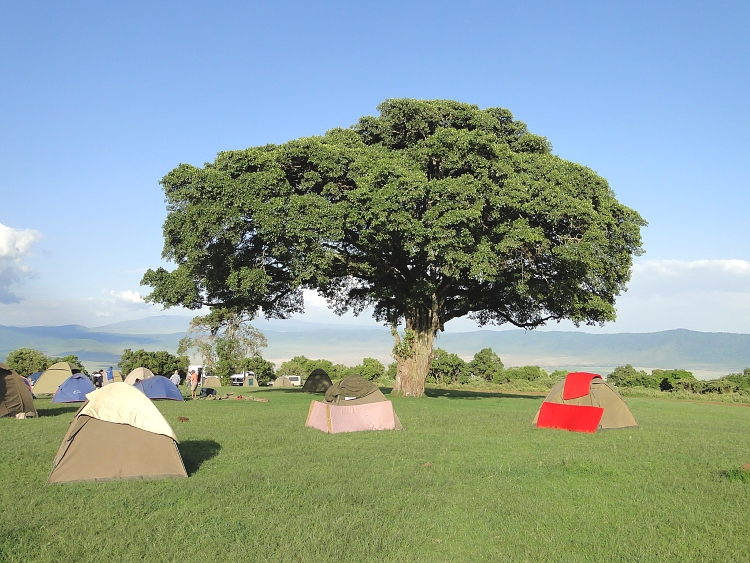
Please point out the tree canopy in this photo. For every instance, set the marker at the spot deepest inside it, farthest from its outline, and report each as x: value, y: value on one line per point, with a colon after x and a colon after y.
x: 160, y: 362
x: 430, y: 211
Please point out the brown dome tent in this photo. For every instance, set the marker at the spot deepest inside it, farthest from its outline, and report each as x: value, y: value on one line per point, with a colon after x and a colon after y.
x: 118, y: 433
x: 584, y: 402
x: 15, y: 395
x: 282, y: 381
x: 53, y: 377
x: 317, y: 382
x: 138, y: 373
x: 351, y: 405
x: 212, y: 381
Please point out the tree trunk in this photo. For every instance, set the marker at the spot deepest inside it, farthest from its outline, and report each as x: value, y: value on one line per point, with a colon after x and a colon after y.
x: 414, y: 354
x: 412, y: 370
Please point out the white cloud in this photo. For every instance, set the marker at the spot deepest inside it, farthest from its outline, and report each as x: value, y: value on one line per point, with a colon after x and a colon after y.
x: 127, y: 297
x: 15, y: 247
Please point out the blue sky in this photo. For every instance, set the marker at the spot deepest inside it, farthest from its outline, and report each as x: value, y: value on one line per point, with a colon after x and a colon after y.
x: 100, y: 100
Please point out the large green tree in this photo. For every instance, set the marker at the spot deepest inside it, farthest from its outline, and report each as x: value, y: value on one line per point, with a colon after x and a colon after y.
x: 430, y: 211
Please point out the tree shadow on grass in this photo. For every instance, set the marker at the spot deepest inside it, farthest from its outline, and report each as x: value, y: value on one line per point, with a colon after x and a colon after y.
x: 57, y: 411
x: 195, y: 452
x: 461, y: 394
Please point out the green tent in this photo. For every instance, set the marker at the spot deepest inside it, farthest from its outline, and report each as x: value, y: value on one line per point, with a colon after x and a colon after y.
x: 317, y: 382
x: 15, y: 396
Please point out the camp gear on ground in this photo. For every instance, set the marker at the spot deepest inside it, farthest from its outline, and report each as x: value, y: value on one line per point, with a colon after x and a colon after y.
x: 350, y: 388
x: 15, y: 396
x: 351, y: 405
x: 584, y: 402
x: 317, y: 382
x: 53, y: 377
x: 74, y: 389
x: 159, y: 387
x: 117, y: 434
x: 207, y: 391
x: 138, y: 373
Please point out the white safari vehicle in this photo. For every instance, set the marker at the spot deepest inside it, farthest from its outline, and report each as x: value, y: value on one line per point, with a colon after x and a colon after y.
x: 296, y: 380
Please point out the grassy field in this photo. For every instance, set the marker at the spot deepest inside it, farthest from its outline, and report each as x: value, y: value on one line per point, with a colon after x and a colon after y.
x: 468, y: 479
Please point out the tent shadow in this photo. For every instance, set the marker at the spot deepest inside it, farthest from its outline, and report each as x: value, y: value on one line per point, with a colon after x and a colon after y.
x: 473, y: 395
x: 58, y: 410
x: 195, y: 452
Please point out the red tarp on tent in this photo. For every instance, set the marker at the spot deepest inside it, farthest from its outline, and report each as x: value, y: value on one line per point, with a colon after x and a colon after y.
x: 577, y: 384
x: 576, y: 418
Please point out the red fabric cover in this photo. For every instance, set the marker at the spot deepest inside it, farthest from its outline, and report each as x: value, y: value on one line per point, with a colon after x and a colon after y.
x: 577, y: 384
x: 575, y: 418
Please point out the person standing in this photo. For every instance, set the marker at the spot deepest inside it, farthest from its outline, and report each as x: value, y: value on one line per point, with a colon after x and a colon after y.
x: 193, y: 383
x: 110, y: 375
x: 175, y: 378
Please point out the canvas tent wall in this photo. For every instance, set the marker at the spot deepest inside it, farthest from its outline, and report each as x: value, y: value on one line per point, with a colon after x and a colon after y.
x: 159, y: 387
x: 317, y: 382
x: 138, y: 373
x: 15, y: 396
x: 283, y: 381
x: 53, y: 377
x: 584, y: 402
x: 117, y: 376
x: 352, y: 405
x: 74, y: 389
x: 117, y: 434
x: 211, y: 381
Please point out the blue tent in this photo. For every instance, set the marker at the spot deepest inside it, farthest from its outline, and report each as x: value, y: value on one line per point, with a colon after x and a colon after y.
x: 73, y: 389
x: 159, y: 387
x: 34, y: 376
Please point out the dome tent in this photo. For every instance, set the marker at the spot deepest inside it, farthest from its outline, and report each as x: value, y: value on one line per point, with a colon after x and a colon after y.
x: 584, y: 402
x: 138, y: 374
x: 159, y: 387
x: 118, y: 433
x: 282, y: 381
x: 351, y: 405
x: 52, y: 378
x: 317, y: 382
x: 74, y: 389
x: 15, y: 396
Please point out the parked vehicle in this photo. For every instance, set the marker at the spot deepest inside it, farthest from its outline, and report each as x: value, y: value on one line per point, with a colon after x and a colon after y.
x: 296, y: 380
x: 238, y: 379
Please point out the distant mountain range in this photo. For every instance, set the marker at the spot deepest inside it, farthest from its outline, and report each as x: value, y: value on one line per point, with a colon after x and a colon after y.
x: 706, y: 354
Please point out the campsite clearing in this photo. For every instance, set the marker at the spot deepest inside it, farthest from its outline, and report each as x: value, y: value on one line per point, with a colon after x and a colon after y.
x: 468, y: 479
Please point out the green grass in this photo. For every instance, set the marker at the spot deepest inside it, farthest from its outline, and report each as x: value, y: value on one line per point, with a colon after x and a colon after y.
x: 468, y: 479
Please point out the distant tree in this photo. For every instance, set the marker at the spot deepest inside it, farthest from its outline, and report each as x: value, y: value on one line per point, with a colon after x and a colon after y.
x: 448, y: 368
x: 529, y: 373
x: 223, y: 338
x: 160, y: 363
x: 558, y: 375
x: 370, y: 369
x: 262, y: 368
x: 27, y: 361
x: 430, y: 211
x: 628, y: 376
x: 296, y: 366
x: 487, y: 365
x: 669, y: 379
